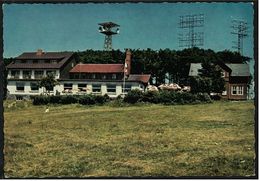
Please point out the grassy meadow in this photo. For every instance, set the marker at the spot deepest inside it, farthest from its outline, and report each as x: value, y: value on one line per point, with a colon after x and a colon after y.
x: 141, y: 140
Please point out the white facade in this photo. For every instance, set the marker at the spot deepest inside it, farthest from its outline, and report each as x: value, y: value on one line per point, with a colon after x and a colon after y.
x: 112, y: 89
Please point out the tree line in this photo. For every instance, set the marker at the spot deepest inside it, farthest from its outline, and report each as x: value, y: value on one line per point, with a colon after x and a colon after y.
x: 162, y: 64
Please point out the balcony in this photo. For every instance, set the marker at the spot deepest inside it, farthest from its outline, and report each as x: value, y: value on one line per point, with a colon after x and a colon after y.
x: 27, y: 76
x: 14, y: 77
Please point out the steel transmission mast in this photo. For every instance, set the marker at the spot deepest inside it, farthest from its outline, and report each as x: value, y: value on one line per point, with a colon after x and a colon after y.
x: 107, y: 29
x: 240, y: 29
x: 192, y: 38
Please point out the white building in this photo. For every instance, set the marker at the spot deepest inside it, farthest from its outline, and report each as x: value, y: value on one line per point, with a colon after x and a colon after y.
x: 25, y: 72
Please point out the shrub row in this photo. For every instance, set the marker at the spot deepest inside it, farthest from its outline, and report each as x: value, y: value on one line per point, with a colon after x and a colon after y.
x: 69, y: 99
x: 166, y: 97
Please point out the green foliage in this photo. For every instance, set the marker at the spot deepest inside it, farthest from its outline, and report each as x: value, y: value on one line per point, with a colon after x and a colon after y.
x: 200, y: 84
x: 48, y: 82
x: 87, y: 100
x: 133, y: 96
x: 159, y: 63
x: 166, y: 97
x: 100, y: 99
x: 55, y: 99
x: 150, y: 96
x: 41, y: 100
x: 209, y: 79
x: 68, y: 99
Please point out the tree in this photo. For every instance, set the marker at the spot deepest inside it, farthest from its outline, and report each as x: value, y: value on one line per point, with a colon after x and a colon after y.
x: 209, y: 79
x: 48, y: 83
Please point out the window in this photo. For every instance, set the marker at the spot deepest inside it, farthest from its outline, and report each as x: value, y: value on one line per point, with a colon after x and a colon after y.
x: 237, y: 90
x: 76, y: 76
x: 128, y: 87
x: 82, y: 87
x: 222, y: 74
x: 96, y: 88
x: 113, y: 76
x: 104, y: 77
x: 111, y: 88
x: 68, y: 86
x: 27, y: 74
x: 20, y: 86
x: 38, y: 74
x: 15, y: 74
x: 35, y: 61
x: 34, y: 86
x: 47, y: 61
x: 51, y: 72
x: 93, y: 76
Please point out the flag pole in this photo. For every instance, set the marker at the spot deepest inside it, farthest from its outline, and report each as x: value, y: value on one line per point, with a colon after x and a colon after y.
x: 124, y: 79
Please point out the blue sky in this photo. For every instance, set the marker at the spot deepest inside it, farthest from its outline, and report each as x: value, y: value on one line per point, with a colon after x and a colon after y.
x: 72, y: 27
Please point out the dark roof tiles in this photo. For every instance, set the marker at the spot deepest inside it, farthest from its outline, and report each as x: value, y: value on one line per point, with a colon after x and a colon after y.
x: 237, y: 70
x: 45, y: 55
x: 62, y: 56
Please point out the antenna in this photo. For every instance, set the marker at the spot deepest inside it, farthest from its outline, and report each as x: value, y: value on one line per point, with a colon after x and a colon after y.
x: 108, y: 30
x: 191, y: 38
x: 240, y: 29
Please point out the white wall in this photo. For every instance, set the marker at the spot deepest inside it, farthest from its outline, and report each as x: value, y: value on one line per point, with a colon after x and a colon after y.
x: 60, y: 88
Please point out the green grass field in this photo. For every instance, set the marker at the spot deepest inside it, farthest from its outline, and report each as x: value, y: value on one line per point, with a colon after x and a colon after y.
x: 143, y: 140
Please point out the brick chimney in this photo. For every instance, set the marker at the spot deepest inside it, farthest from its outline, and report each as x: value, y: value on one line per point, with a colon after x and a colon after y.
x: 39, y: 52
x: 127, y: 68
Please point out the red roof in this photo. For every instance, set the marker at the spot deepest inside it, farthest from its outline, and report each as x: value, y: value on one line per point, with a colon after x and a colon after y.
x: 139, y: 77
x: 98, y: 68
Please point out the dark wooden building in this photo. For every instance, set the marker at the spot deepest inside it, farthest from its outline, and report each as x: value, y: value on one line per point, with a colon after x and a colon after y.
x: 236, y: 77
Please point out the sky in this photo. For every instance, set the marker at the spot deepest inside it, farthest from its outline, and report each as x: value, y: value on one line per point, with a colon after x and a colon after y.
x: 74, y: 27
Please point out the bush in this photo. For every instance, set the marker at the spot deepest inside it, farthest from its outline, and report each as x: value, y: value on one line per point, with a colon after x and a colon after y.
x: 204, y: 97
x: 68, y: 99
x: 87, y: 100
x: 150, y: 96
x: 41, y: 100
x: 100, y: 99
x: 166, y: 97
x: 215, y: 97
x: 133, y: 96
x: 55, y: 99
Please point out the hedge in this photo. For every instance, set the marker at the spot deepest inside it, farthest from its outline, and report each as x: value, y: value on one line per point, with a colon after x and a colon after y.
x: 133, y: 96
x: 70, y: 99
x: 166, y: 97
